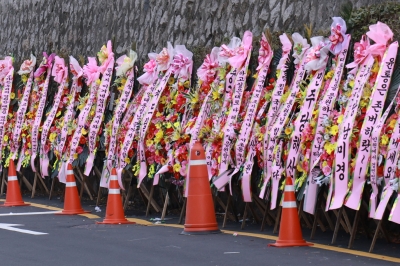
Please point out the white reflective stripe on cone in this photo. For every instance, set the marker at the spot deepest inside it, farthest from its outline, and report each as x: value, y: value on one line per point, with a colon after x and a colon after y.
x: 289, y: 188
x: 70, y: 172
x: 113, y: 191
x: 12, y: 178
x: 70, y: 184
x: 113, y: 177
x: 289, y: 204
x: 198, y: 162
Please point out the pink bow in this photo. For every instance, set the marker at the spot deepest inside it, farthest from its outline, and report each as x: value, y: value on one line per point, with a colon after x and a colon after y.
x: 208, y: 69
x: 242, y: 52
x: 361, y: 51
x: 286, y: 48
x: 76, y: 69
x: 91, y: 71
x: 105, y: 56
x: 380, y: 33
x: 264, y: 52
x: 59, y: 71
x: 338, y: 35
x: 46, y: 63
x: 150, y: 71
x: 182, y: 64
x: 5, y: 66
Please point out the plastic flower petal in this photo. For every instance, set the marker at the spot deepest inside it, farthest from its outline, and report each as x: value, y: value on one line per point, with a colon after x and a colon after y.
x: 59, y: 71
x: 150, y: 70
x: 317, y: 54
x: 124, y: 63
x: 27, y: 66
x: 165, y: 58
x: 76, y: 69
x: 286, y: 48
x: 228, y: 51
x: 91, y: 70
x: 300, y: 46
x: 338, y: 35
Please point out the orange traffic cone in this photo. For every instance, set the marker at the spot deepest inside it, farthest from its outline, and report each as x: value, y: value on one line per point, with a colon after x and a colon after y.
x: 290, y: 234
x: 13, y: 197
x: 72, y: 203
x: 114, y: 212
x: 200, y: 213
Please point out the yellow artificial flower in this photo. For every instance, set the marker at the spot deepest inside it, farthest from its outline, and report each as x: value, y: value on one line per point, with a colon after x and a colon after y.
x: 313, y: 123
x: 158, y: 114
x: 329, y: 147
x: 98, y: 81
x: 24, y: 78
x: 186, y: 84
x: 159, y: 136
x: 5, y: 138
x: 177, y: 124
x: 52, y: 136
x: 385, y: 139
x: 149, y: 142
x: 127, y: 160
x: 163, y: 99
x: 177, y: 167
x: 288, y: 131
x: 58, y: 114
x: 334, y: 130
x: 299, y: 168
x: 168, y: 125
x: 75, y: 156
x: 12, y: 95
x: 340, y: 119
x: 83, y: 131
x: 392, y: 123
x: 171, y: 80
x: 351, y: 83
x: 324, y: 164
x: 215, y: 95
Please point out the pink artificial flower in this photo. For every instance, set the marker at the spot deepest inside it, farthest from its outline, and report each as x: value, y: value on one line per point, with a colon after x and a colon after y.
x: 59, y: 71
x: 150, y: 160
x: 326, y: 170
x: 91, y: 70
x: 27, y: 66
x: 46, y: 64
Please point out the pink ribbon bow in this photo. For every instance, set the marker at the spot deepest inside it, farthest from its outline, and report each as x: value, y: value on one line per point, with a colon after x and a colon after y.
x: 182, y: 64
x: 361, y: 51
x: 46, y: 63
x: 76, y: 69
x: 380, y: 33
x: 243, y: 50
x: 286, y: 48
x: 264, y: 52
x: 110, y: 56
x: 5, y: 66
x: 150, y: 71
x: 208, y: 68
x: 59, y: 70
x: 338, y: 35
x: 91, y: 70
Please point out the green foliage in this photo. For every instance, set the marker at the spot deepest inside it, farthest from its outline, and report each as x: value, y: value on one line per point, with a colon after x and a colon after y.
x: 358, y: 20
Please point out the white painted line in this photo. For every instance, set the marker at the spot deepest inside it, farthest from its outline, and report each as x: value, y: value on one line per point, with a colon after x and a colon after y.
x: 19, y: 230
x: 232, y: 252
x: 27, y: 213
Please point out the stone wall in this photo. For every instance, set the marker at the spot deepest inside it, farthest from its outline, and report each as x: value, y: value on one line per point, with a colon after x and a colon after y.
x: 80, y: 27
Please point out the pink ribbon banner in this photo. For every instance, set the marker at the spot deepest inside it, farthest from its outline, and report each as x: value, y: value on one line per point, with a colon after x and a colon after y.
x: 102, y: 96
x: 373, y: 114
x: 15, y: 141
x: 146, y: 122
x: 377, y: 212
x: 270, y: 137
x: 5, y: 102
x: 134, y: 128
x: 325, y: 108
x: 68, y: 117
x: 44, y: 159
x: 229, y: 133
x: 123, y: 102
x: 340, y: 174
x: 38, y: 117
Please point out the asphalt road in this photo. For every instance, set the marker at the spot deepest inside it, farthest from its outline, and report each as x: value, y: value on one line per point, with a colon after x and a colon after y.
x: 77, y: 240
